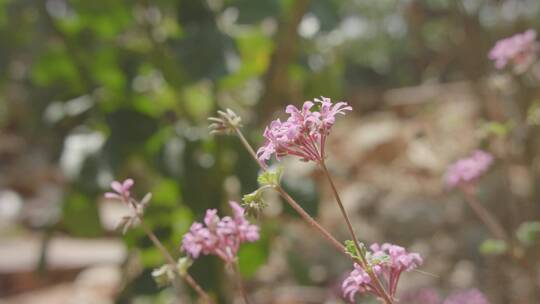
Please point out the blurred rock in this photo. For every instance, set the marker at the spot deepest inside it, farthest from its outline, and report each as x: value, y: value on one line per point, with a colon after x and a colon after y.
x: 65, y: 257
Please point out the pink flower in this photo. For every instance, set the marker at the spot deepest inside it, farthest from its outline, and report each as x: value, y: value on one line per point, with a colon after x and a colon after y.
x: 466, y: 170
x: 519, y: 50
x: 121, y: 190
x: 220, y: 237
x: 304, y: 132
x: 471, y: 296
x: 357, y: 281
x: 388, y: 262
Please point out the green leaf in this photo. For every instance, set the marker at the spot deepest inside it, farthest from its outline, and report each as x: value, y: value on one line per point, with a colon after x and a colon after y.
x: 270, y: 177
x: 253, y: 202
x: 350, y: 248
x: 493, y: 247
x: 163, y: 275
x: 353, y: 251
x: 528, y: 232
x: 183, y: 265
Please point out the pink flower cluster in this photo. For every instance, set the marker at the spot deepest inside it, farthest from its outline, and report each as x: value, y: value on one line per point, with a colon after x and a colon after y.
x: 467, y: 170
x: 519, y: 50
x: 304, y: 132
x: 220, y: 237
x: 388, y: 262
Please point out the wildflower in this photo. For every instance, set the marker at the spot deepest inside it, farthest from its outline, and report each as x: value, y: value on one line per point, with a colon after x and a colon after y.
x: 466, y: 170
x: 387, y: 262
x: 121, y: 190
x: 519, y: 50
x: 471, y: 296
x: 220, y: 236
x: 304, y: 132
x: 122, y: 193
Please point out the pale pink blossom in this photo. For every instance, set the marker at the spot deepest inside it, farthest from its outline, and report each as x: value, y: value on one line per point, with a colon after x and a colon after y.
x: 121, y: 190
x: 519, y: 51
x: 388, y: 262
x: 467, y: 170
x: 358, y: 281
x: 137, y: 207
x: 304, y: 132
x: 220, y: 236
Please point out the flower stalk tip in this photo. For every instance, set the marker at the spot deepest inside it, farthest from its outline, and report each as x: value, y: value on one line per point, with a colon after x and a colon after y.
x: 226, y: 123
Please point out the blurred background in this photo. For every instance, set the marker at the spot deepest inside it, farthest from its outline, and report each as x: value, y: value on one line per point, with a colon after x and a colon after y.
x: 93, y: 91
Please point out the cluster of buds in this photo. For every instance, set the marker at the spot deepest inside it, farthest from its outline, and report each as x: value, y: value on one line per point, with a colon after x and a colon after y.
x: 467, y: 170
x: 387, y: 262
x: 121, y: 192
x: 304, y: 132
x: 253, y: 202
x: 225, y: 123
x: 519, y: 51
x: 220, y: 236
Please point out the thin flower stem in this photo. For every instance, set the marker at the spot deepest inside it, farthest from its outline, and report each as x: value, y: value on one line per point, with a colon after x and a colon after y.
x: 484, y: 215
x: 249, y: 148
x: 310, y: 220
x: 314, y: 224
x: 340, y: 204
x: 241, y: 288
x: 381, y: 290
x: 170, y: 260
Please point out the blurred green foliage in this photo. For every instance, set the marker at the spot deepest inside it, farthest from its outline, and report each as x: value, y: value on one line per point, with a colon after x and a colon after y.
x: 144, y: 75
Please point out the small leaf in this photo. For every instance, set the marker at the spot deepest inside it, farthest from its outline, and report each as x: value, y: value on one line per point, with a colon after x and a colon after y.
x: 493, y: 247
x: 528, y: 232
x: 253, y: 202
x: 252, y: 197
x: 163, y: 275
x: 351, y: 249
x: 270, y: 177
x: 183, y: 265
